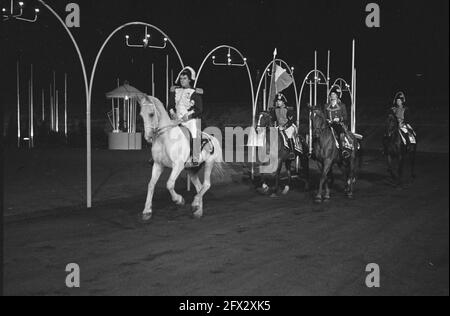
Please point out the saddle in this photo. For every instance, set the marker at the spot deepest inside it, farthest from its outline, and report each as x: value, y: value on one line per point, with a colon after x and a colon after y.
x: 407, y: 134
x: 348, y: 141
x: 204, y: 141
x: 297, y: 150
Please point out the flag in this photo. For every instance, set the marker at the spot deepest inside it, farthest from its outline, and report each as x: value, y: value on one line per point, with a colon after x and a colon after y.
x: 280, y: 81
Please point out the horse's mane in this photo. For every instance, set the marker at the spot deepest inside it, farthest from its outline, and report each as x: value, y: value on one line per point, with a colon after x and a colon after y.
x: 391, y: 119
x: 320, y: 113
x: 158, y: 104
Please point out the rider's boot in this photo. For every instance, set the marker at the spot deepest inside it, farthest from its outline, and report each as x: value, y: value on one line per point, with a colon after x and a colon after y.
x: 345, y: 152
x: 291, y: 155
x: 195, y: 156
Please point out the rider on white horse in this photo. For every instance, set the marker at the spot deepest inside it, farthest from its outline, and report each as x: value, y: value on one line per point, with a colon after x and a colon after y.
x: 400, y: 110
x: 284, y: 117
x: 186, y: 107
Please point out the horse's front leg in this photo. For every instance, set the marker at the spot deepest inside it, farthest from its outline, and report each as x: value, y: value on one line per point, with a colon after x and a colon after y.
x: 350, y: 177
x: 287, y: 187
x: 390, y: 168
x: 413, y: 161
x: 176, y: 170
x: 277, y: 178
x: 305, y: 170
x: 325, y: 166
x: 156, y: 173
x: 401, y: 161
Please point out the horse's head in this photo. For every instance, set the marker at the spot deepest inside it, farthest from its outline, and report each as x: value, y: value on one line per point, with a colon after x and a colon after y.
x: 264, y: 119
x: 391, y: 124
x: 149, y: 114
x: 318, y: 121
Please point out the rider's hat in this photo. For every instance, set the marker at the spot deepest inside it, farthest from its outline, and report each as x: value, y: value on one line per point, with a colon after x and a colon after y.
x: 399, y: 95
x: 188, y: 71
x: 336, y: 89
x: 280, y: 97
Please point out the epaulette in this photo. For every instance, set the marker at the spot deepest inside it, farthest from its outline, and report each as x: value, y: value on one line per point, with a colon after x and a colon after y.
x: 199, y: 90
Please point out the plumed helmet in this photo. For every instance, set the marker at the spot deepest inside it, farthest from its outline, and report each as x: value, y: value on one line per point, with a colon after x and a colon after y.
x: 280, y: 97
x: 188, y: 71
x: 399, y: 95
x: 335, y: 89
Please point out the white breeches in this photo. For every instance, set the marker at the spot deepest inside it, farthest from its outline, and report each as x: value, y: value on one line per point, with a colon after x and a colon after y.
x: 291, y: 132
x: 192, y: 126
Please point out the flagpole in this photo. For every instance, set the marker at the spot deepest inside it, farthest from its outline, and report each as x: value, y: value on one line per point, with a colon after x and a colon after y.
x: 153, y: 79
x: 31, y: 110
x: 273, y: 74
x: 310, y: 118
x: 18, y: 107
x: 265, y: 92
x: 167, y: 81
x: 328, y: 71
x: 43, y: 106
x: 51, y: 107
x: 315, y: 78
x: 55, y: 106
x: 353, y: 87
x: 65, y: 104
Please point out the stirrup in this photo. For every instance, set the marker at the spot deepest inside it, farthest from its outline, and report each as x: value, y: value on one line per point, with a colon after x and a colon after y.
x: 346, y: 154
x: 191, y: 164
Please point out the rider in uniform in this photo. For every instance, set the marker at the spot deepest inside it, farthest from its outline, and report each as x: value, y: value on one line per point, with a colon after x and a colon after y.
x: 284, y: 117
x: 186, y: 107
x: 336, y: 114
x: 401, y: 111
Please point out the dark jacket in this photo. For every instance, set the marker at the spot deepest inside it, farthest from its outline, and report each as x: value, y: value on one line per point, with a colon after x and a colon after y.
x: 393, y: 111
x: 290, y: 116
x: 196, y: 97
x: 340, y: 111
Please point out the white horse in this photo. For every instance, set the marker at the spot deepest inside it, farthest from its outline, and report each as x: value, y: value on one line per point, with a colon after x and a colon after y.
x: 171, y: 149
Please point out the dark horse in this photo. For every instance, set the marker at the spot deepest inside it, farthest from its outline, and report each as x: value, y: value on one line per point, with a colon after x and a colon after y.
x: 265, y: 121
x: 395, y: 149
x: 326, y: 153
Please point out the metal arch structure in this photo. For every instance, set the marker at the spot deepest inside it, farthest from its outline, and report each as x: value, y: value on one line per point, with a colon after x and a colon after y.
x: 311, y: 81
x: 88, y: 122
x: 229, y: 64
x: 289, y: 69
x: 344, y: 86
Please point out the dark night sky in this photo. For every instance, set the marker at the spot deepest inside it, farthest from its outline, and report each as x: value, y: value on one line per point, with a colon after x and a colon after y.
x: 413, y: 39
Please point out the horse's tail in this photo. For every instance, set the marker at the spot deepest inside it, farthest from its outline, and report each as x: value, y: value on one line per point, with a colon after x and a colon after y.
x: 218, y: 168
x: 360, y: 155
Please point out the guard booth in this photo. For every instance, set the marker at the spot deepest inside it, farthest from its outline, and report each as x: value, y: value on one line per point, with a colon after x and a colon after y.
x: 122, y: 118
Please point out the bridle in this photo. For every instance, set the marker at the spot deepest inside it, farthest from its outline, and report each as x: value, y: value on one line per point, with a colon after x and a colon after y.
x: 261, y: 115
x: 318, y: 131
x: 158, y: 131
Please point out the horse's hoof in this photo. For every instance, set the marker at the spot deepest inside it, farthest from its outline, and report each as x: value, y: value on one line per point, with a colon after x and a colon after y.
x: 326, y: 198
x: 198, y: 213
x: 274, y: 195
x: 318, y: 199
x: 286, y: 190
x: 181, y: 203
x: 146, y: 217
